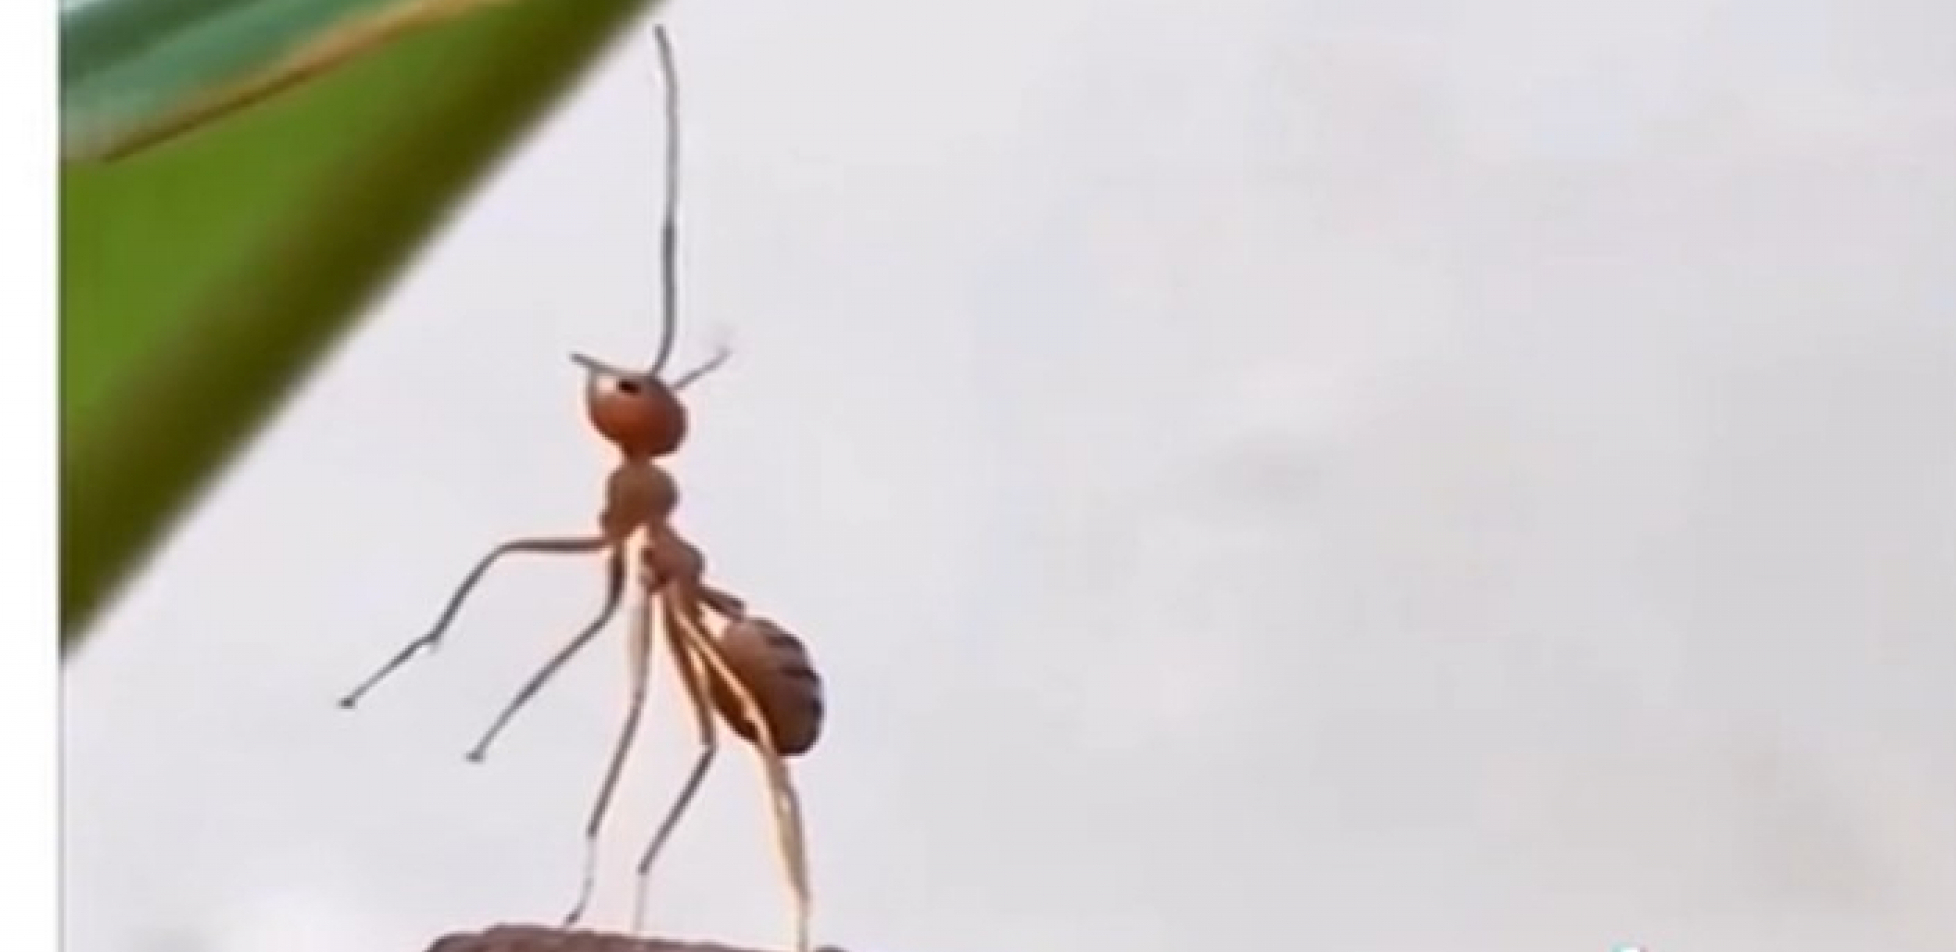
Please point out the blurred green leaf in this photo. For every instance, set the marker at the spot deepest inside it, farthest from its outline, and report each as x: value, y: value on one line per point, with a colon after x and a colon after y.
x: 201, y: 278
x: 134, y: 72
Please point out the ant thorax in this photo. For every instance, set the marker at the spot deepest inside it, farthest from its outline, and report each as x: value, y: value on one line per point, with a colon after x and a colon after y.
x: 668, y: 557
x: 639, y: 495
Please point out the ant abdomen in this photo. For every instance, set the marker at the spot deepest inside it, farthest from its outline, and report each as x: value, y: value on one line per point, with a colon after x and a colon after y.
x: 776, y: 668
x: 636, y: 495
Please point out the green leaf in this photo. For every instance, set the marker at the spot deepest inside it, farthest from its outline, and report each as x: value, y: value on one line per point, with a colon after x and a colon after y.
x: 203, y: 276
x: 136, y: 72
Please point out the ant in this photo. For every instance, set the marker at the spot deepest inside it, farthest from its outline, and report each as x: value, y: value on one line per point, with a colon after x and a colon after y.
x: 753, y: 675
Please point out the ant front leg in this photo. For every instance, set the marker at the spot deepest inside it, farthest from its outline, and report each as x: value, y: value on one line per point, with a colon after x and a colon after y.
x: 614, y: 591
x: 432, y: 640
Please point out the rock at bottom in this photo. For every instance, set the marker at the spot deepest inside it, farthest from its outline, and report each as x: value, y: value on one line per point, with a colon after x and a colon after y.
x: 546, y: 939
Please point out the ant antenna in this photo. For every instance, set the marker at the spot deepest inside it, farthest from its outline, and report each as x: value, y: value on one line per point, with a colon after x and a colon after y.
x: 669, y: 227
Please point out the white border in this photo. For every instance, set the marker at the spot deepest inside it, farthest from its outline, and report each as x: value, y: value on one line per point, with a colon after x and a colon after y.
x: 30, y: 836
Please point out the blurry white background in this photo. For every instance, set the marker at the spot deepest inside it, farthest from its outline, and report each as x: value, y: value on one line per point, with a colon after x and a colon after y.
x: 1326, y: 475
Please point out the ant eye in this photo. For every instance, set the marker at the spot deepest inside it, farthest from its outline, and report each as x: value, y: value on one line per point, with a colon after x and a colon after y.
x: 630, y: 386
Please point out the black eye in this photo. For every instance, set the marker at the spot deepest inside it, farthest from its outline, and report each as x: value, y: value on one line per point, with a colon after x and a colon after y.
x: 630, y: 386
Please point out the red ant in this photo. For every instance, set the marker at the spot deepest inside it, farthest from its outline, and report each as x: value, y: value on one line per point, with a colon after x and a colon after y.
x: 753, y: 674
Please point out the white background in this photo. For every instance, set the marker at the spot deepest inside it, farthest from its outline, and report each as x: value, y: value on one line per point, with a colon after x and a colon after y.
x: 1322, y: 475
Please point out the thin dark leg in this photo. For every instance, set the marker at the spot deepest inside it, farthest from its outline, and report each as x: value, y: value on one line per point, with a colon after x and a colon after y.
x: 723, y: 603
x: 780, y: 792
x: 640, y: 661
x: 692, y: 677
x: 614, y: 588
x: 432, y: 640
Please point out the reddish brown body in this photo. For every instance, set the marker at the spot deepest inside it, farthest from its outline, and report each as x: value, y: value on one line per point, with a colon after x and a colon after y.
x: 770, y: 662
x: 776, y: 668
x: 640, y: 415
x: 751, y: 675
x: 638, y: 494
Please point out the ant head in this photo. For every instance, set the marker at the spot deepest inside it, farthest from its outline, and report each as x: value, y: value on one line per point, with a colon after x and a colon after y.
x: 633, y: 411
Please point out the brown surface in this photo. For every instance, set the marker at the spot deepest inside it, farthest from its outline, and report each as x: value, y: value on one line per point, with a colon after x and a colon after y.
x: 543, y: 939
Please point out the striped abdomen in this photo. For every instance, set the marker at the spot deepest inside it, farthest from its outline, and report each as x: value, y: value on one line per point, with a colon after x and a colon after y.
x: 776, y: 668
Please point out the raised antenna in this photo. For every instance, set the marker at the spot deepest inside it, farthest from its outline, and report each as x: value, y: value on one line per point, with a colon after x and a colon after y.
x: 669, y: 228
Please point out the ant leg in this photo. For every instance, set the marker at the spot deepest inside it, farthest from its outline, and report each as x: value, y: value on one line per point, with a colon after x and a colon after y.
x: 614, y: 589
x: 639, y: 649
x: 795, y: 847
x: 723, y: 603
x: 692, y: 675
x: 787, y: 822
x: 432, y: 640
